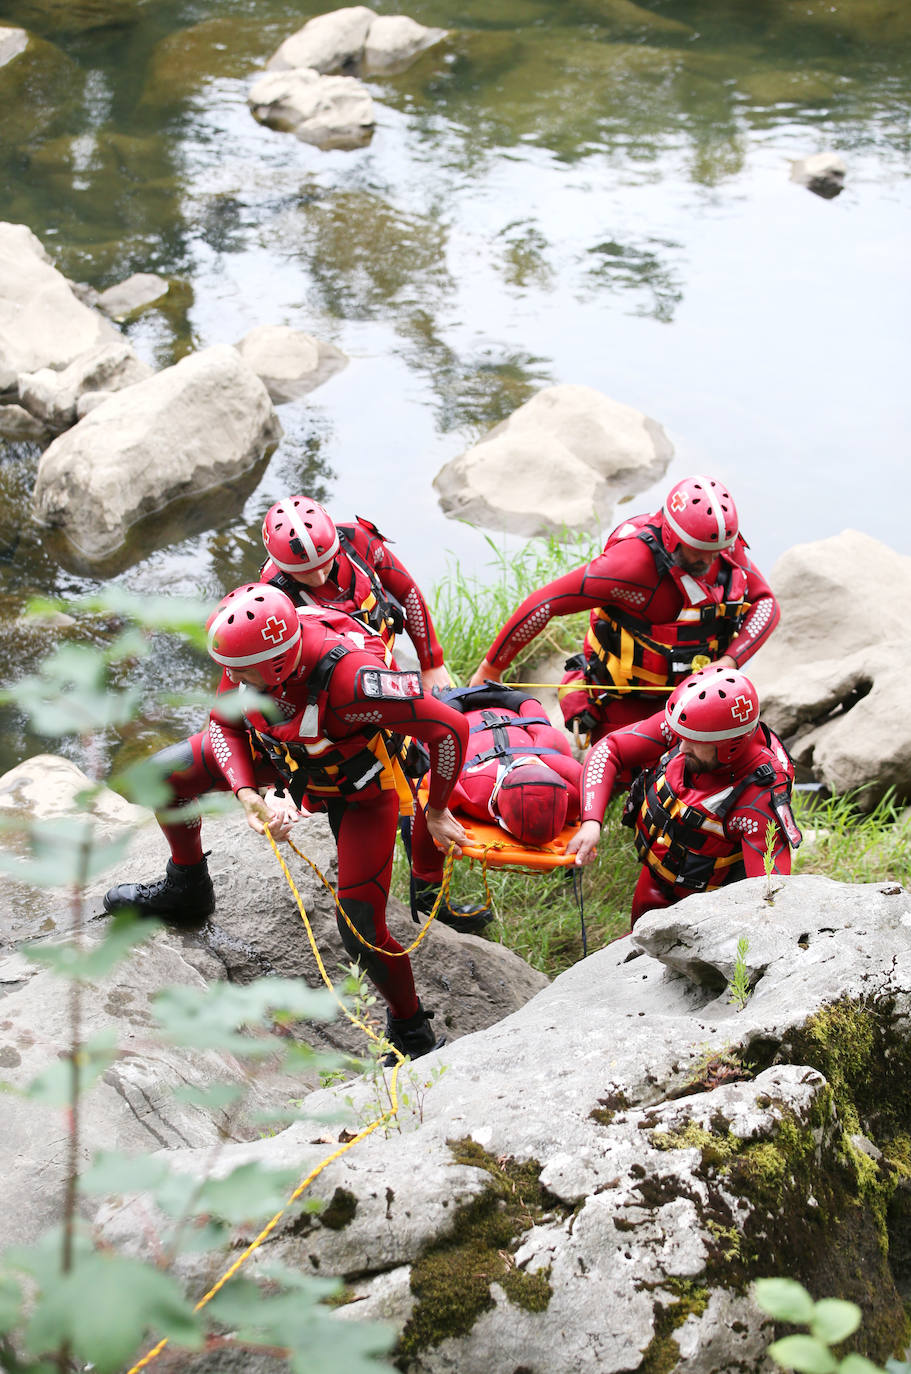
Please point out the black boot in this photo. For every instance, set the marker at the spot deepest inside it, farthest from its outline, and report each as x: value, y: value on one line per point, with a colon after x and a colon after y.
x: 459, y: 916
x: 185, y: 893
x: 412, y: 1035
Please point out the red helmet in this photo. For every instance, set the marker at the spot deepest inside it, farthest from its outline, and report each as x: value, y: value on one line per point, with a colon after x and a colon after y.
x: 717, y: 706
x: 300, y: 535
x: 256, y: 626
x: 700, y: 513
x: 531, y: 802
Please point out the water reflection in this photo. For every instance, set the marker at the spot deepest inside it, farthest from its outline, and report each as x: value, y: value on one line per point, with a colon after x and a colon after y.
x: 543, y: 192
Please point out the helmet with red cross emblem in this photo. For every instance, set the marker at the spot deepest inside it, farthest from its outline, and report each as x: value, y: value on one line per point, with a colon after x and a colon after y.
x: 716, y: 706
x: 256, y: 626
x: 700, y: 513
x: 299, y: 535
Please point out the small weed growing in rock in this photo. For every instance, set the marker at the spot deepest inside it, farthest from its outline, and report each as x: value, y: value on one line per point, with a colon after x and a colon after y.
x: 829, y: 1322
x: 739, y: 987
x: 768, y: 859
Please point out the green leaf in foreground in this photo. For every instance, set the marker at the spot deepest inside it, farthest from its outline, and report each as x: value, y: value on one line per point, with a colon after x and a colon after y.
x: 65, y: 852
x: 859, y: 1364
x: 834, y: 1320
x: 209, y: 1018
x: 803, y: 1353
x: 785, y: 1300
x: 123, y: 933
x: 104, y: 1307
x: 54, y: 1085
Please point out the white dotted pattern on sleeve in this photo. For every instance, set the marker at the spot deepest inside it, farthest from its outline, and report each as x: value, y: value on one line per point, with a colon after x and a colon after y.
x: 631, y: 598
x: 374, y: 717
x: 446, y: 757
x: 533, y: 625
x: 759, y: 618
x: 745, y: 823
x: 595, y: 766
x: 220, y: 746
x: 414, y: 611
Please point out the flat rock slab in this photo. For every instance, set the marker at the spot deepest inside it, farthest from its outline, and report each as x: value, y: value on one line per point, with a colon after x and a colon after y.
x: 658, y: 1200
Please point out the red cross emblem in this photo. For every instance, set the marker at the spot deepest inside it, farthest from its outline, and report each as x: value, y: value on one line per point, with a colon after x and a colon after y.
x: 742, y: 709
x: 274, y: 629
x: 678, y: 502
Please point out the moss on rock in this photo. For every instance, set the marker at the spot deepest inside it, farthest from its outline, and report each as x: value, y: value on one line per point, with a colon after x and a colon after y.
x: 452, y: 1279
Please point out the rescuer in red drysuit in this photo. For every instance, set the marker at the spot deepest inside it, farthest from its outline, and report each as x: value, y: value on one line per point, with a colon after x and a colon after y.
x: 518, y: 770
x: 350, y: 568
x: 332, y: 749
x: 707, y: 781
x: 670, y: 592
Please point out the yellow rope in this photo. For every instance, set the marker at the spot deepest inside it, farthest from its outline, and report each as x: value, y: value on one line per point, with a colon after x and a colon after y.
x: 592, y: 686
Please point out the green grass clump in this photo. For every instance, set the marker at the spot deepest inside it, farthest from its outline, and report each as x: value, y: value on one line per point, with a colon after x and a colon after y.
x: 469, y: 609
x: 853, y: 846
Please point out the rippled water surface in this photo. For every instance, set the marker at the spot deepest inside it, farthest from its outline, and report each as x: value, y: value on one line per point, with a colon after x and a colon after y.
x: 566, y: 192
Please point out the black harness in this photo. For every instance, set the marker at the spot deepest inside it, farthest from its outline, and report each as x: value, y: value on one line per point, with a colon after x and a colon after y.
x: 485, y: 698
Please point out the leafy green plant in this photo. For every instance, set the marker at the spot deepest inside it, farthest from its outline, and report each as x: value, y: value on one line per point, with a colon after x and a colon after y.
x: 739, y: 988
x: 50, y: 1315
x: 829, y: 1322
x: 469, y: 609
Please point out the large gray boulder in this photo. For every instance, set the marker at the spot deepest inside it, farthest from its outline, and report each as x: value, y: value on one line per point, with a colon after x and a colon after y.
x: 833, y: 677
x: 289, y: 362
x: 355, y: 39
x: 327, y: 111
x: 42, y: 321
x: 595, y: 1181
x: 578, y: 453
x: 180, y: 432
x: 53, y: 397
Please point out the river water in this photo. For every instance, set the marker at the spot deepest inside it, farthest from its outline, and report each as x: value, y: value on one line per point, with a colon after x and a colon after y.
x: 591, y: 192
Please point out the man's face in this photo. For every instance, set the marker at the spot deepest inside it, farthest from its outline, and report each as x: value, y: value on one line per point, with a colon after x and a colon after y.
x: 696, y: 562
x: 252, y: 677
x: 316, y: 578
x: 699, y: 757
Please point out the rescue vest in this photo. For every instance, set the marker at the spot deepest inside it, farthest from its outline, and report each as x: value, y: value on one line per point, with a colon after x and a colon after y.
x: 364, y: 598
x: 315, y: 765
x: 687, y: 845
x: 623, y: 651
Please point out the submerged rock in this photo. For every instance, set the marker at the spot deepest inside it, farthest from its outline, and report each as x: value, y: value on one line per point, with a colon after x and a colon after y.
x: 561, y: 461
x: 833, y: 677
x: 184, y: 430
x: 822, y: 173
x: 328, y: 111
x: 289, y: 362
x: 136, y: 293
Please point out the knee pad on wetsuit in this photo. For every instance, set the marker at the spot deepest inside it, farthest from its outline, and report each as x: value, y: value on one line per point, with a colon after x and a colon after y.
x: 362, y: 917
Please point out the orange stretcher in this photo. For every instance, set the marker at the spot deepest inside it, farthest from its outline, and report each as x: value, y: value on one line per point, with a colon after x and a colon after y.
x: 498, y: 849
